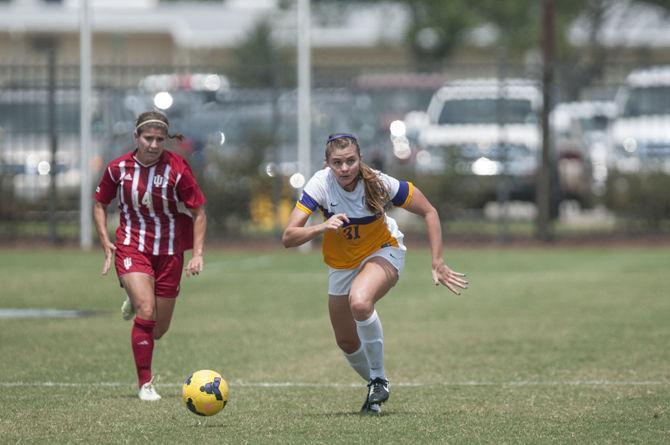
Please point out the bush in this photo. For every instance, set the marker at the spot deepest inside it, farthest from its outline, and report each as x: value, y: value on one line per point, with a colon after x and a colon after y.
x: 230, y: 180
x: 640, y: 198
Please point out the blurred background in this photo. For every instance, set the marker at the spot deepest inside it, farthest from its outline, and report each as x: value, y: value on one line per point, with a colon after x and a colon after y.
x: 519, y: 119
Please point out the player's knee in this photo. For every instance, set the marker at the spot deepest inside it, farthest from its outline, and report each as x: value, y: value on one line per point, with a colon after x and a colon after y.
x: 145, y: 311
x: 361, y: 307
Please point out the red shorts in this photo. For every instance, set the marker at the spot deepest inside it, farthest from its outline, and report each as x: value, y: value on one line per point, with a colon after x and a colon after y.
x: 166, y: 269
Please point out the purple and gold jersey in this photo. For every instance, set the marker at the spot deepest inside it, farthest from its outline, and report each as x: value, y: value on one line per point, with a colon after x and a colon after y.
x: 365, y: 232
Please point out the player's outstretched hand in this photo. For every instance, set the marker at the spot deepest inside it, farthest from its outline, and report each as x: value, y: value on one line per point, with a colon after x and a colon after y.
x: 454, y: 281
x: 336, y: 221
x: 109, y: 249
x: 194, y: 266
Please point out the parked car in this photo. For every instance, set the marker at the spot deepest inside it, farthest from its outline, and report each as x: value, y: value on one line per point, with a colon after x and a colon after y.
x: 639, y: 137
x: 392, y: 96
x: 482, y: 129
x: 26, y: 141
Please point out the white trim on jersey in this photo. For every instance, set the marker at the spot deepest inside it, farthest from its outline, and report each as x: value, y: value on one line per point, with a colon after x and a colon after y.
x: 166, y: 210
x: 152, y: 213
x: 124, y: 205
x: 181, y: 207
x: 324, y: 189
x: 134, y: 194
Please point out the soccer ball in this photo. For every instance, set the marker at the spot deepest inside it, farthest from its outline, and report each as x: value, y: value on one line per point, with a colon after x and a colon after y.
x: 205, y: 392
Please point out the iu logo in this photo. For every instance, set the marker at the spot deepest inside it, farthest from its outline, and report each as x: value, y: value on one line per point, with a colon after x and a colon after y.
x: 127, y: 262
x: 158, y: 181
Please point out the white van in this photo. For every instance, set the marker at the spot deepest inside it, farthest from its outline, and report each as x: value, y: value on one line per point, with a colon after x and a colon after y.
x: 483, y: 128
x: 640, y: 134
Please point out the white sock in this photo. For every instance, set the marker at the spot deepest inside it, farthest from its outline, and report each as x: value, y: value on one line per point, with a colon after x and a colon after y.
x: 359, y: 361
x: 372, y: 340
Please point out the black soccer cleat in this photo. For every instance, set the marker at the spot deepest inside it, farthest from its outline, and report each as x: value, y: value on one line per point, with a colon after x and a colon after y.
x: 378, y: 391
x: 368, y: 409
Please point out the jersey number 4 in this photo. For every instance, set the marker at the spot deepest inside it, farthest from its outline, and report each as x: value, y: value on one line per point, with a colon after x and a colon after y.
x: 146, y: 201
x: 351, y: 232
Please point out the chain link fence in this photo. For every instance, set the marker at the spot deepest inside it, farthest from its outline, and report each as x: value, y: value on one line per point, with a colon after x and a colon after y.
x: 473, y: 148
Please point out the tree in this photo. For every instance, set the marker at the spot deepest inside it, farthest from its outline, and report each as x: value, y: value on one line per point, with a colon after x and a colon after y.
x: 259, y: 63
x: 436, y: 29
x: 439, y: 27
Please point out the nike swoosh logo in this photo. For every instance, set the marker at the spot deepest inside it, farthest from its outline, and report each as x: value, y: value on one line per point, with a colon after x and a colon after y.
x: 334, y: 204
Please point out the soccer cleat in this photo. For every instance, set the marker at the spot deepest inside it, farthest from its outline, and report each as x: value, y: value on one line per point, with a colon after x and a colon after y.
x: 378, y: 391
x: 127, y: 309
x: 371, y: 409
x: 148, y: 392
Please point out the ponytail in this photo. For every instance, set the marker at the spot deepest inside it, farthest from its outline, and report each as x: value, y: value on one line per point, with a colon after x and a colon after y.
x: 376, y: 194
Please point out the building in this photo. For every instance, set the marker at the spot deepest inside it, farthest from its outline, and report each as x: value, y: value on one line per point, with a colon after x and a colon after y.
x: 149, y: 32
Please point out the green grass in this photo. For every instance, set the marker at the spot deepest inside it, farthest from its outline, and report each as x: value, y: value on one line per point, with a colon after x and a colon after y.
x: 547, y: 346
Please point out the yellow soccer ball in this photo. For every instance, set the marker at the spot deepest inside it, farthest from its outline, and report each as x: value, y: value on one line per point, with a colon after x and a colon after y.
x: 205, y: 392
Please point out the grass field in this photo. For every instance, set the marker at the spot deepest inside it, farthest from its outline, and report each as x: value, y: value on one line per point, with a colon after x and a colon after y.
x: 547, y: 346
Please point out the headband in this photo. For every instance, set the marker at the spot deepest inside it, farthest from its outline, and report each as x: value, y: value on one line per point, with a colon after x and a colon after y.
x: 332, y: 137
x: 151, y: 121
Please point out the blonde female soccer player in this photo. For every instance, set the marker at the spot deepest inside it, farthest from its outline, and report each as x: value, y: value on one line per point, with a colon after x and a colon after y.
x: 364, y: 251
x: 162, y: 214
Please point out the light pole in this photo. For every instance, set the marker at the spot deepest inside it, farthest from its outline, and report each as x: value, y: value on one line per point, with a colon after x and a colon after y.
x: 543, y: 190
x: 304, y: 94
x: 85, y: 198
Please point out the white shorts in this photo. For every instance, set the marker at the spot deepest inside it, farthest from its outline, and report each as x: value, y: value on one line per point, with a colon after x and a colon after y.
x: 339, y: 280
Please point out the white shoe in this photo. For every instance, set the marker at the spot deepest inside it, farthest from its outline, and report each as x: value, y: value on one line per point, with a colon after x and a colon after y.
x: 148, y: 393
x: 127, y: 309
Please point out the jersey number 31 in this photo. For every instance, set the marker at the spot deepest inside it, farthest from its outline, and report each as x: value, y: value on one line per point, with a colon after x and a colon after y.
x: 351, y: 232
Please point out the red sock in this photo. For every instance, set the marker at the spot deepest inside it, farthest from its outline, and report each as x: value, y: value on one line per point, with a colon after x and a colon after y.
x: 142, y: 341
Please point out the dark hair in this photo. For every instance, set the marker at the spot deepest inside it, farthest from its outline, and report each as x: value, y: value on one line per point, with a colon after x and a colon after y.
x: 376, y: 194
x: 156, y: 117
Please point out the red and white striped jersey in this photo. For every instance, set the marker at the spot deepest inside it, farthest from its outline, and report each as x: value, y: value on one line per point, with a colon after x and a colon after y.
x: 154, y: 202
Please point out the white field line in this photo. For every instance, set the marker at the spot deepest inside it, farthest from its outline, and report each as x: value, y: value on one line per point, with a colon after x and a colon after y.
x: 242, y: 384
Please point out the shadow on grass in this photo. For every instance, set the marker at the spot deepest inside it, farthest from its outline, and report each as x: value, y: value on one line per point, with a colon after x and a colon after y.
x: 208, y: 422
x: 355, y: 414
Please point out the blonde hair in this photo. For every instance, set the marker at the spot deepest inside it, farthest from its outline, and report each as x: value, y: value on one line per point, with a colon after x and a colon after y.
x: 376, y: 194
x: 155, y: 119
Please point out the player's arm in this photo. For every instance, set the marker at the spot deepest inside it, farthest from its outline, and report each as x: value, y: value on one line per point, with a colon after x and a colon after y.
x: 100, y: 219
x: 189, y: 193
x: 442, y: 274
x: 296, y: 233
x: 196, y: 263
